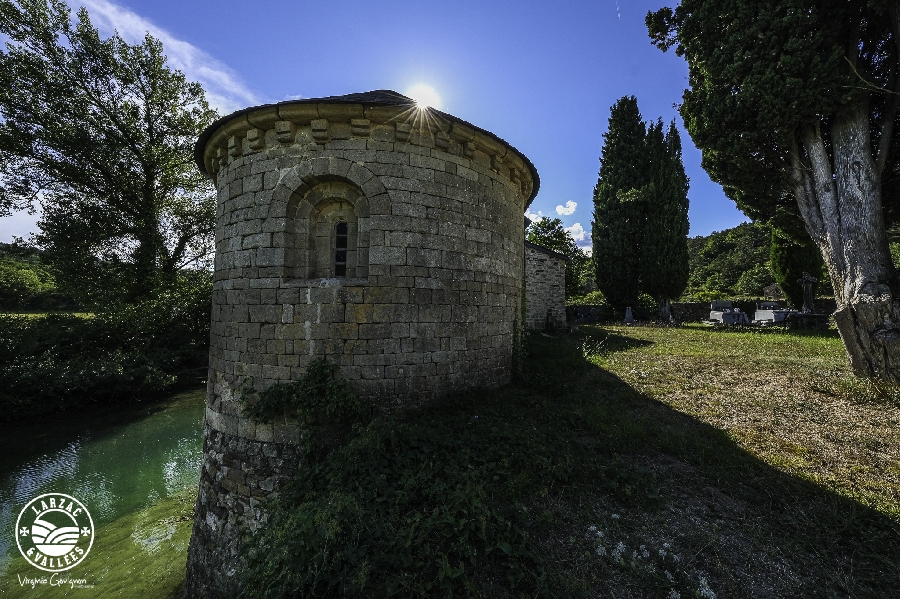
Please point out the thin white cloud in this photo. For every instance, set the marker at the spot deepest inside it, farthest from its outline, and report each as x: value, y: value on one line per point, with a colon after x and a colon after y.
x: 568, y: 209
x: 224, y: 90
x: 534, y: 217
x: 577, y: 232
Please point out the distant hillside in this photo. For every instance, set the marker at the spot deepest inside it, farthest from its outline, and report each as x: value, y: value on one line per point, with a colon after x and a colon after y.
x: 733, y: 262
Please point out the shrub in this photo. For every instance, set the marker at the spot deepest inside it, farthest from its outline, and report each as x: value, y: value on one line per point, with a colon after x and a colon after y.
x: 398, y: 511
x: 128, y: 353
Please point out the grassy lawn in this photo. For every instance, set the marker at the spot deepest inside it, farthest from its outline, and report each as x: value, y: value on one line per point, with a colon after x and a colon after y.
x: 761, y: 462
x: 629, y: 462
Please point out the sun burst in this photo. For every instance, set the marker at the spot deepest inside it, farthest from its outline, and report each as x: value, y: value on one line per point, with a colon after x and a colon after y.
x: 424, y: 95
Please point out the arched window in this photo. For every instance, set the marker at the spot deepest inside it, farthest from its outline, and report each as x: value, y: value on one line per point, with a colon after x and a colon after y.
x: 340, y: 249
x: 330, y: 236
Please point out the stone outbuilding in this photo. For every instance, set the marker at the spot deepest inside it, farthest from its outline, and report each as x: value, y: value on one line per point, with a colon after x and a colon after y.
x: 545, y: 288
x: 384, y: 237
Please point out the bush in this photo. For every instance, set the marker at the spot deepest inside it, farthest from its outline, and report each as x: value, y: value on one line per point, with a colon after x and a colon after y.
x: 753, y: 281
x: 129, y: 353
x: 398, y: 511
x: 594, y: 298
x: 645, y: 309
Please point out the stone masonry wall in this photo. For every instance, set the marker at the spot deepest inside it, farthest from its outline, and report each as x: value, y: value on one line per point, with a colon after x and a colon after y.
x: 545, y: 289
x: 432, y: 289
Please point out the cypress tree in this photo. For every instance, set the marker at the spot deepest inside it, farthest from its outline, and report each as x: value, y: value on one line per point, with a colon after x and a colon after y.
x: 664, y: 268
x: 618, y: 205
x: 790, y: 258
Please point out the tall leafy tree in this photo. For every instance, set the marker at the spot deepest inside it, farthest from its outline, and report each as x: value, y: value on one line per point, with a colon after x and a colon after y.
x: 100, y: 133
x: 551, y: 234
x: 794, y: 104
x: 664, y: 265
x: 618, y: 225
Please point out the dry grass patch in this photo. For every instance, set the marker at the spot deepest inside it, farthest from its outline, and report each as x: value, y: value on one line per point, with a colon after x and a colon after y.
x: 787, y: 399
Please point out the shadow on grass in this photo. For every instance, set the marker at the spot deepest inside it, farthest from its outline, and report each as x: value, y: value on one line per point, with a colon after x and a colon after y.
x: 756, y: 531
x: 504, y: 493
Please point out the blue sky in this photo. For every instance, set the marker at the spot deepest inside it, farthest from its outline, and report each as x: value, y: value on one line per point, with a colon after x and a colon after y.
x: 541, y: 75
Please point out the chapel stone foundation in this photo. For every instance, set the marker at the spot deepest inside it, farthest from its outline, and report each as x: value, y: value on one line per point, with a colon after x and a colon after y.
x: 383, y: 237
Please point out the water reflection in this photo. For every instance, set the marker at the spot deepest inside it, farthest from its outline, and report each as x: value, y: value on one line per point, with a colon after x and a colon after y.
x: 115, y: 460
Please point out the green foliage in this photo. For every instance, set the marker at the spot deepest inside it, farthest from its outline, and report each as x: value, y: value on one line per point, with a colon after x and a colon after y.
x: 618, y: 225
x: 26, y: 283
x: 601, y: 309
x: 719, y: 262
x: 402, y: 510
x: 58, y: 361
x: 21, y: 283
x: 594, y: 298
x: 319, y: 396
x: 645, y: 307
x: 760, y: 70
x: 752, y: 282
x: 102, y: 132
x: 551, y: 234
x: 895, y: 254
x: 790, y: 259
x: 664, y: 267
x: 640, y: 211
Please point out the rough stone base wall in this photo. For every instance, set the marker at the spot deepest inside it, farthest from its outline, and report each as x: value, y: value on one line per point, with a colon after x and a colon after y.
x: 239, y: 477
x: 545, y: 289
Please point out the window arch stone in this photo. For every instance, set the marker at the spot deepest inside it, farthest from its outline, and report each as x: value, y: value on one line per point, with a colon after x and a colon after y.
x: 315, y: 203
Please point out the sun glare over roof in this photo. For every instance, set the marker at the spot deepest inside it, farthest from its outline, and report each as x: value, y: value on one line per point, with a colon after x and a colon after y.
x: 424, y: 95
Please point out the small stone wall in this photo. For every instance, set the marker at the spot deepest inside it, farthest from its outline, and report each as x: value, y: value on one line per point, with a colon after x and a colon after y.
x: 545, y: 288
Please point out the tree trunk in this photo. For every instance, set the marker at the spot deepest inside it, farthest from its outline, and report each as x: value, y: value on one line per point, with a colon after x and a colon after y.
x: 840, y: 199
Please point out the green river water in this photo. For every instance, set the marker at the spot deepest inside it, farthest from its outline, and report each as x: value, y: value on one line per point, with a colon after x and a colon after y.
x: 136, y: 470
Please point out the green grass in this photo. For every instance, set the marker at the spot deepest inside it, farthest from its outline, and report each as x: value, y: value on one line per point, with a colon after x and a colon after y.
x: 139, y: 555
x: 744, y: 464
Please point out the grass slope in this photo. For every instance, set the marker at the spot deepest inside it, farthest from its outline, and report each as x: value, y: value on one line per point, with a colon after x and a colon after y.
x: 631, y: 462
x: 139, y: 555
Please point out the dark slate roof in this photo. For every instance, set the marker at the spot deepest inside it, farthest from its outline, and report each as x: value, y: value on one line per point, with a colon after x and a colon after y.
x: 544, y: 250
x: 378, y: 97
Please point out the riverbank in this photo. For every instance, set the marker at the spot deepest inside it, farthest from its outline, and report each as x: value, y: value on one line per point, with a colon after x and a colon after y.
x: 54, y: 362
x: 136, y: 469
x: 138, y: 555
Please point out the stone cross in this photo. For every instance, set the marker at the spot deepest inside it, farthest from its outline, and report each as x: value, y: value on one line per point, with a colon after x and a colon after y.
x: 807, y: 281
